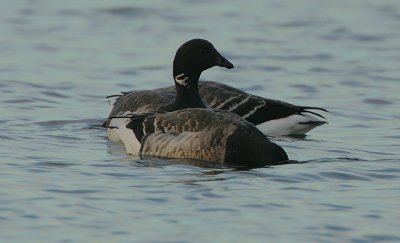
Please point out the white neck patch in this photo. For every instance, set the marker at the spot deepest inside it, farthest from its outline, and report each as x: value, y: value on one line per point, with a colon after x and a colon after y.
x: 182, y: 79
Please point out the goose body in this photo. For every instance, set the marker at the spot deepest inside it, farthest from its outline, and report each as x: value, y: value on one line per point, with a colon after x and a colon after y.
x: 202, y: 134
x: 272, y: 117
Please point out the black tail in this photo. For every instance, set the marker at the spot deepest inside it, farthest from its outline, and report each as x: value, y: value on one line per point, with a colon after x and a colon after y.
x: 315, y: 123
x: 121, y: 94
x: 306, y: 109
x: 111, y: 96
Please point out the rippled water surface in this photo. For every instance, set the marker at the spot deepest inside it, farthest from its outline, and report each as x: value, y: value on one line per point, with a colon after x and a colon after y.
x: 62, y: 181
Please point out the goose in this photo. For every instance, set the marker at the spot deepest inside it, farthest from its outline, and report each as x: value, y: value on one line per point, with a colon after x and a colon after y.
x: 272, y: 117
x: 157, y: 124
x: 203, y: 134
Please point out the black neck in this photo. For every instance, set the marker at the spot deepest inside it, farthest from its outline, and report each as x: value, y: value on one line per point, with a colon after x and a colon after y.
x: 188, y: 95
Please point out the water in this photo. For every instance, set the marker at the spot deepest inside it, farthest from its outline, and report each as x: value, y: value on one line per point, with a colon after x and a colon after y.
x: 62, y: 181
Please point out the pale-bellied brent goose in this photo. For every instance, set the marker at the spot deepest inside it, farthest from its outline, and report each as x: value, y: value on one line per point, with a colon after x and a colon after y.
x: 204, y: 134
x: 272, y: 117
x: 186, y: 127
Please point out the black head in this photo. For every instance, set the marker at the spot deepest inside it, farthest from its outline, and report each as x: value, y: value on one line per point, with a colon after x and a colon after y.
x: 195, y: 56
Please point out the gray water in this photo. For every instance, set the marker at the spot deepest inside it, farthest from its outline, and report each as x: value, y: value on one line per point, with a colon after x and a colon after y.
x: 62, y: 181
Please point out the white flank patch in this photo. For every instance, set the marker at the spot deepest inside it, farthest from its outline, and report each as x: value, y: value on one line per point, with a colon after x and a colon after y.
x: 120, y: 132
x: 288, y: 126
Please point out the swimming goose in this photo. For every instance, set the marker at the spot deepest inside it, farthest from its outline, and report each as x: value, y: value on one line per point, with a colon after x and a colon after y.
x: 188, y: 128
x: 272, y: 117
x: 203, y: 134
